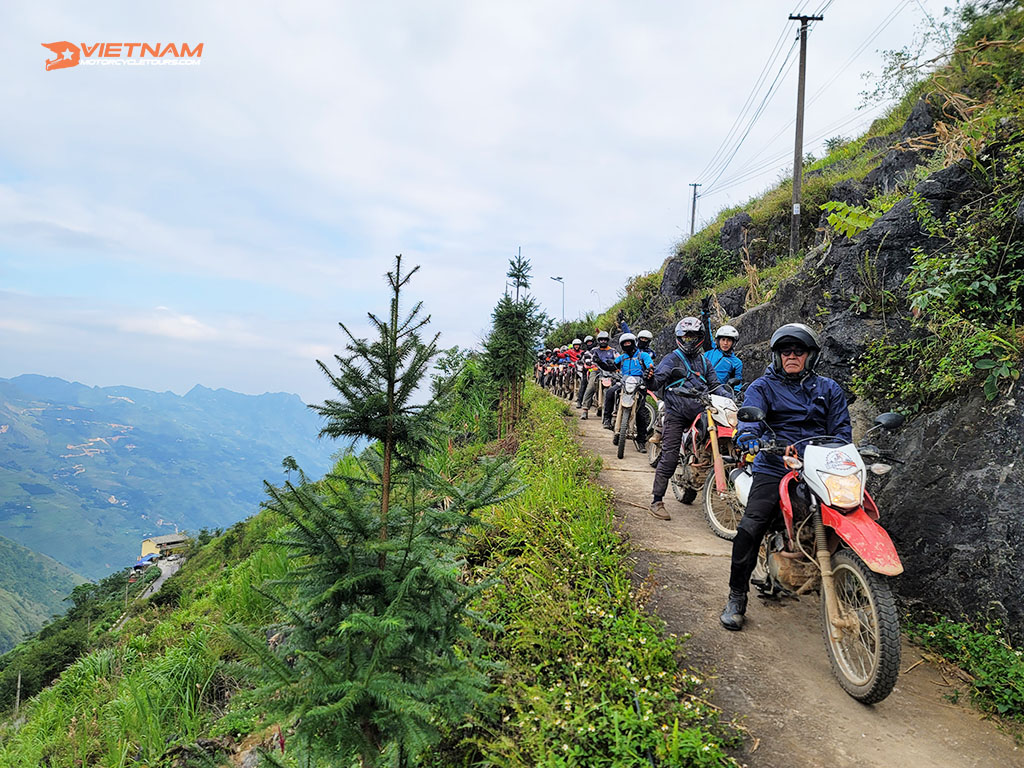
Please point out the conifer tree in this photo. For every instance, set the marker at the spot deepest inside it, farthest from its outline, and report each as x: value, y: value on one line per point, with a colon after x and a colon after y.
x: 377, y: 652
x: 516, y: 328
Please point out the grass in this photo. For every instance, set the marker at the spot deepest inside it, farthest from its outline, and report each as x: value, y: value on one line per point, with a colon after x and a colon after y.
x: 995, y: 667
x: 590, y: 678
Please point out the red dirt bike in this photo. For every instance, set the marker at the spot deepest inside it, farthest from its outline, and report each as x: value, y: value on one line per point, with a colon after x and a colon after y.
x: 828, y: 539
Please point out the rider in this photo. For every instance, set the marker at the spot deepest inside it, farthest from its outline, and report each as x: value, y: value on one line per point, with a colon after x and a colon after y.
x: 586, y: 356
x: 798, y: 404
x: 632, y: 362
x: 603, y: 351
x: 575, y: 350
x: 685, y: 366
x: 727, y: 364
x: 643, y: 343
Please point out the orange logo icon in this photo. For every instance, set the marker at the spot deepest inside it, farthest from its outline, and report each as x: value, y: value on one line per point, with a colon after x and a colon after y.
x: 68, y: 55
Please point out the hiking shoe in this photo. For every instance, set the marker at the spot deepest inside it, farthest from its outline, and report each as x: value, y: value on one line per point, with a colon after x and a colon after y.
x: 607, y: 425
x: 615, y: 439
x: 659, y: 511
x: 735, y: 609
x: 584, y: 416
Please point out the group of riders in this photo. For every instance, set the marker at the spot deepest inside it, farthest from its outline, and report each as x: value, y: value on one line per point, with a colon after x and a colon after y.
x: 797, y: 403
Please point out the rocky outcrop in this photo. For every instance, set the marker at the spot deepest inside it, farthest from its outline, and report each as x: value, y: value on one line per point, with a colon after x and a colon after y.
x: 734, y: 231
x: 675, y: 281
x: 955, y: 510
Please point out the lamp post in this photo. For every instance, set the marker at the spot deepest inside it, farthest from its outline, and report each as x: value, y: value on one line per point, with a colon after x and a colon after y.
x: 560, y: 280
x: 598, y: 298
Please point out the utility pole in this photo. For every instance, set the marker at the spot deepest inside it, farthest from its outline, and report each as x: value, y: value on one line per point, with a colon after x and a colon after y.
x: 693, y: 211
x: 17, y: 698
x: 798, y: 151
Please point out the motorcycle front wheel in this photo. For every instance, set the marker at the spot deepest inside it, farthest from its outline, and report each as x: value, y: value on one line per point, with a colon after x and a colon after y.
x: 681, y: 490
x: 623, y: 429
x: 866, y: 658
x: 722, y: 511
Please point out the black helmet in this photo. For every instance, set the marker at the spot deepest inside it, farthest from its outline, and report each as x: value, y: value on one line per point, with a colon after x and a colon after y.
x: 795, y: 333
x: 689, y: 325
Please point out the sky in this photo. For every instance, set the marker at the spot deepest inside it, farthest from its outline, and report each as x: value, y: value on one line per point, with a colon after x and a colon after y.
x: 162, y: 227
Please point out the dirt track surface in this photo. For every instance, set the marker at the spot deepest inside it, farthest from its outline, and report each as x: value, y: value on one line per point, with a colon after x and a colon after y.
x: 774, y: 676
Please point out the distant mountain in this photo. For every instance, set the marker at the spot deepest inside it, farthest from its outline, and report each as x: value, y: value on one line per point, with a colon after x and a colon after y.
x: 32, y: 589
x: 87, y: 472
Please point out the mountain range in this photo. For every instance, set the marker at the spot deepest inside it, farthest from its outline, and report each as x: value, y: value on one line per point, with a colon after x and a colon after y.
x: 87, y: 472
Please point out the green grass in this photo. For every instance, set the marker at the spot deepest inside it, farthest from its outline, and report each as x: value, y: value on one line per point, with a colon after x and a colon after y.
x: 590, y: 678
x: 995, y: 666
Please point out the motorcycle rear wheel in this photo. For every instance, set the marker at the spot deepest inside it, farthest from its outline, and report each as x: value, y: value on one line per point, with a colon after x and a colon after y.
x: 722, y: 511
x: 865, y: 661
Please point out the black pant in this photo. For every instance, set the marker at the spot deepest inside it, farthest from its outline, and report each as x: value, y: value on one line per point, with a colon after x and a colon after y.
x: 640, y: 405
x: 762, y: 508
x: 671, y: 441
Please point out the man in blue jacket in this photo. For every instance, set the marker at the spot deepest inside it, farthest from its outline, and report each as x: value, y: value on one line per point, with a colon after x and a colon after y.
x: 797, y: 404
x: 686, y: 368
x: 632, y: 362
x: 727, y: 365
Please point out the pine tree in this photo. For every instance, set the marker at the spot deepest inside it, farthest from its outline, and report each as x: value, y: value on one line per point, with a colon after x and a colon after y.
x: 516, y: 327
x: 377, y: 652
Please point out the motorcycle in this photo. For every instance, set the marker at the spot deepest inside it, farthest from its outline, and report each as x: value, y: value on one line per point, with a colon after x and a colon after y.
x: 828, y: 539
x: 703, y: 460
x: 629, y: 398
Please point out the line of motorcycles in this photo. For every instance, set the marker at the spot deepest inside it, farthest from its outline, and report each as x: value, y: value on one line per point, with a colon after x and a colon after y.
x: 827, y: 539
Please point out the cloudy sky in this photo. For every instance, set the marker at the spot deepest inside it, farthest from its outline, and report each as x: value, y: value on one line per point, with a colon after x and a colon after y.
x: 167, y: 226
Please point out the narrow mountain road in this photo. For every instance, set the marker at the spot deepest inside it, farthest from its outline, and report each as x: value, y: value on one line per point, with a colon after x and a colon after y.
x: 774, y: 676
x: 167, y: 569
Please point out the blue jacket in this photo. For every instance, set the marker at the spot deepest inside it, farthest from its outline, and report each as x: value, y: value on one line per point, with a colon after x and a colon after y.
x: 637, y: 364
x: 812, y: 406
x: 694, y: 372
x: 726, y: 364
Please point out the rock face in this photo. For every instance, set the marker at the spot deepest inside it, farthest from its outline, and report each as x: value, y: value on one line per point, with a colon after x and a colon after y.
x: 675, y: 281
x: 733, y: 231
x: 955, y: 510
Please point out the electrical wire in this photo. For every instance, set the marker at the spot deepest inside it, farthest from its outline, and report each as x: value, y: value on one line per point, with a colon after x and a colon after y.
x: 722, y: 150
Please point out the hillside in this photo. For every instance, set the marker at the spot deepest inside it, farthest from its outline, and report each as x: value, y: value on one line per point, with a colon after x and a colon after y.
x: 912, y: 269
x: 87, y: 472
x: 32, y: 589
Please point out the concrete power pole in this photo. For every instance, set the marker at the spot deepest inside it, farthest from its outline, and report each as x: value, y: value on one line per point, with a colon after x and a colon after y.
x: 798, y: 151
x: 693, y: 211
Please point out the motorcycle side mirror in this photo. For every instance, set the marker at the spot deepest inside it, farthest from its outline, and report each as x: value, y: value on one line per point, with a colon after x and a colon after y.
x: 890, y: 420
x: 750, y: 413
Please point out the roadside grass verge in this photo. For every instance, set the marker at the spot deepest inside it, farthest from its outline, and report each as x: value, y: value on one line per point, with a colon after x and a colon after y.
x: 994, y: 667
x: 590, y: 678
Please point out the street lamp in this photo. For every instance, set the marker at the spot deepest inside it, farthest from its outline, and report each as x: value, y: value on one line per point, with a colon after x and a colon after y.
x: 560, y: 280
x: 598, y: 298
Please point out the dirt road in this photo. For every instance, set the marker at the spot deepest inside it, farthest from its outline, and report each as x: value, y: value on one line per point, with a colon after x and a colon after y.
x: 774, y: 675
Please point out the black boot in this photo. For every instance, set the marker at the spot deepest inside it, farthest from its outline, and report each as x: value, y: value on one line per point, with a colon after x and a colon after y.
x: 607, y: 424
x: 735, y: 609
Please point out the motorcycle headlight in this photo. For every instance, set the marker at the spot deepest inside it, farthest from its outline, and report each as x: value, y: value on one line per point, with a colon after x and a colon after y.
x: 844, y: 491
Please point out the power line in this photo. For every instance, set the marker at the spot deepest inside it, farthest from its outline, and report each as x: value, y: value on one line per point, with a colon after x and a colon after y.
x: 723, y: 147
x: 821, y: 91
x: 772, y: 90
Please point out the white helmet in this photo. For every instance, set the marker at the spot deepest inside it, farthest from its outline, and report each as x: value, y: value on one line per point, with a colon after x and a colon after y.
x: 645, y: 335
x: 576, y: 341
x: 588, y: 338
x: 627, y: 338
x: 602, y: 336
x: 728, y: 332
